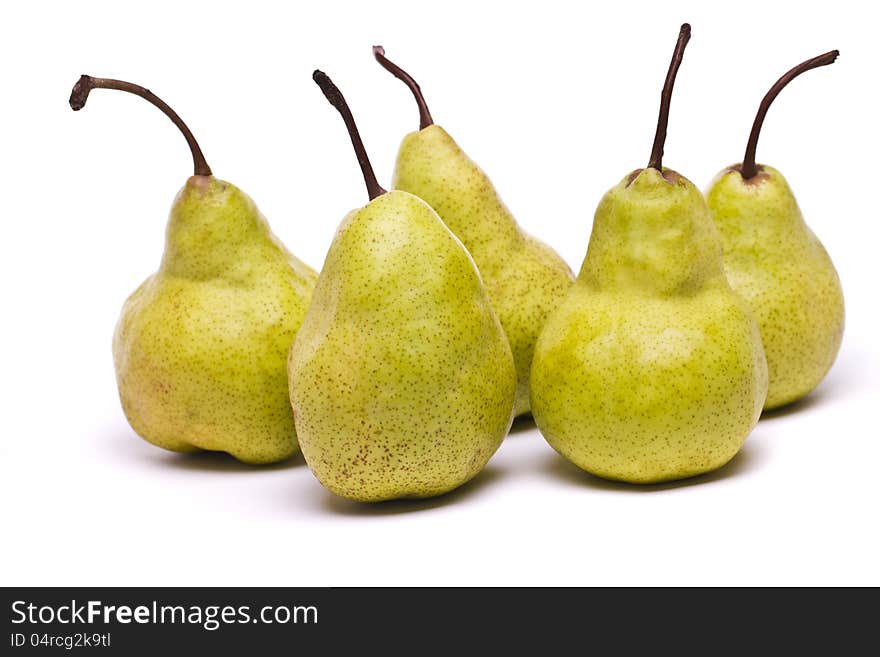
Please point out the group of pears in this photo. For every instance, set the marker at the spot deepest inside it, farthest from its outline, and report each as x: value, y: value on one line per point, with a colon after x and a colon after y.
x: 436, y: 320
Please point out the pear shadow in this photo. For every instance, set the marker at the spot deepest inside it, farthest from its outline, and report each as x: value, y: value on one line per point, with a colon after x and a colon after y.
x: 522, y: 424
x: 341, y: 506
x: 223, y: 462
x: 846, y: 374
x: 135, y: 449
x: 805, y: 403
x: 748, y: 458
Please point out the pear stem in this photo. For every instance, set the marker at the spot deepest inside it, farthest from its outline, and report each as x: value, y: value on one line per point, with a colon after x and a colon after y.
x: 425, y: 119
x: 749, y: 166
x: 656, y: 161
x: 331, y: 91
x: 80, y: 94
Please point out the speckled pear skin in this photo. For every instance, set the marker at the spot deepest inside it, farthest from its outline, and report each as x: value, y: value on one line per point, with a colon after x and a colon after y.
x: 401, y: 380
x: 652, y: 368
x: 783, y: 272
x: 525, y: 278
x: 201, y: 346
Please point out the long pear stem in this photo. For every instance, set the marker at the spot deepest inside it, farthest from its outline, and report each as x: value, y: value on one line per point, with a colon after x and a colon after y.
x: 331, y: 91
x: 749, y: 166
x: 86, y: 83
x: 656, y: 161
x: 424, y: 115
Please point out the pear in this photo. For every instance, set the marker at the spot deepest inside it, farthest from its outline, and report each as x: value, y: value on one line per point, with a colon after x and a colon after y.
x: 201, y: 346
x: 401, y: 380
x: 652, y: 367
x: 778, y: 265
x: 525, y: 278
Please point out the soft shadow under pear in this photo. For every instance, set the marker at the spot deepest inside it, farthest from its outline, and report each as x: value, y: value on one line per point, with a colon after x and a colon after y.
x: 522, y: 424
x: 802, y: 405
x: 341, y: 506
x: 748, y: 459
x: 134, y: 449
x: 223, y: 462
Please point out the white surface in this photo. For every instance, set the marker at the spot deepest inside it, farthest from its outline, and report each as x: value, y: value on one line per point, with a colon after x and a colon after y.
x: 557, y: 104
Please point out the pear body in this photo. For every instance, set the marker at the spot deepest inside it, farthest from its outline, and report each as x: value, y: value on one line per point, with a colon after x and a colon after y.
x: 401, y: 380
x: 783, y: 272
x: 524, y: 277
x: 201, y: 346
x: 652, y: 368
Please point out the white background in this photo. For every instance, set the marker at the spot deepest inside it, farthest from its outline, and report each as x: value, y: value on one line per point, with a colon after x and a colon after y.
x: 557, y: 103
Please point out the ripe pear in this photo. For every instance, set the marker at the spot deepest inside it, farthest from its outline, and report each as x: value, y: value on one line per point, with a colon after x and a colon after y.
x: 778, y: 265
x: 401, y: 380
x: 524, y: 277
x: 201, y: 346
x: 652, y: 368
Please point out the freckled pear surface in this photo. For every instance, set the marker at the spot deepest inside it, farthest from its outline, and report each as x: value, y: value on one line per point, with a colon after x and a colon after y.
x: 201, y: 346
x: 652, y: 368
x: 401, y: 380
x: 524, y: 277
x: 783, y: 272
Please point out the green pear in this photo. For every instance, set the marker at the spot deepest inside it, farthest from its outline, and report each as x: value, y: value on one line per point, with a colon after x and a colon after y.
x: 778, y: 265
x: 401, y: 380
x: 201, y: 346
x: 652, y: 368
x: 524, y: 277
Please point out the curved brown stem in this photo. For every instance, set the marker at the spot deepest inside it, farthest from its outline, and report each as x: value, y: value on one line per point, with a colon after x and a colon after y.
x: 331, y: 91
x: 749, y: 166
x: 86, y: 83
x: 656, y: 161
x: 424, y: 115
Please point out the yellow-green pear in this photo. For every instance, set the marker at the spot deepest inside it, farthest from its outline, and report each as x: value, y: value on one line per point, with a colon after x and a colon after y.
x: 652, y: 368
x: 401, y: 380
x: 524, y: 277
x: 778, y: 265
x: 201, y: 346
